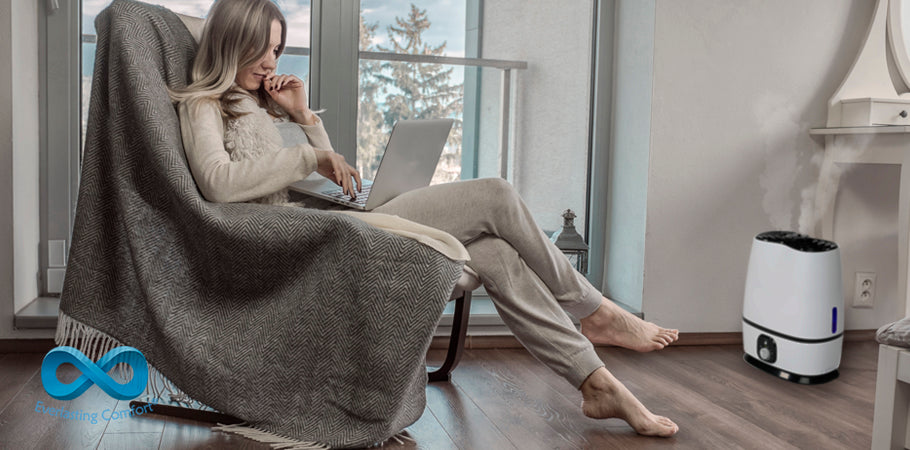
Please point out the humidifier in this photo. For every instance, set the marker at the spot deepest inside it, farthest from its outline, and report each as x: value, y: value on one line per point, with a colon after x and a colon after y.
x: 793, y: 307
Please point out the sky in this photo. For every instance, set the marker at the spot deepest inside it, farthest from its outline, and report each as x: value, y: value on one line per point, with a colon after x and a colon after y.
x: 447, y: 19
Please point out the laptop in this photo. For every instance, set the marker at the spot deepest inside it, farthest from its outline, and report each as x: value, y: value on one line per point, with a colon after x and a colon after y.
x: 408, y: 163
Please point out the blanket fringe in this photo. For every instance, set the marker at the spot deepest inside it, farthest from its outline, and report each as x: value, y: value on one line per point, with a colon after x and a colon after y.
x: 95, y: 343
x: 280, y: 442
x: 401, y: 437
x: 274, y: 440
x: 91, y: 342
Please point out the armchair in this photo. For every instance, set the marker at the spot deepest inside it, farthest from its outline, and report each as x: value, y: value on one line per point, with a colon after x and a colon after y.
x: 236, y: 305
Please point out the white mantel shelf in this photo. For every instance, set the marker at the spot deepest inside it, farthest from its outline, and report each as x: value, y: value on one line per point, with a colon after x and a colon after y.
x: 882, y: 129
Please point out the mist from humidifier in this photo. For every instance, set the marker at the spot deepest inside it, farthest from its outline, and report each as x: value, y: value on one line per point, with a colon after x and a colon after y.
x: 819, y: 197
x: 785, y: 138
x: 780, y: 133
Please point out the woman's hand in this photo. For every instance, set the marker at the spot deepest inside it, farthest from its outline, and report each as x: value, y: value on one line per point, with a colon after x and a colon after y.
x: 333, y: 166
x: 290, y: 94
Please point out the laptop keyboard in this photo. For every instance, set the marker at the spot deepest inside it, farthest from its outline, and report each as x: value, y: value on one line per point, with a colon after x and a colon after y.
x: 361, y: 196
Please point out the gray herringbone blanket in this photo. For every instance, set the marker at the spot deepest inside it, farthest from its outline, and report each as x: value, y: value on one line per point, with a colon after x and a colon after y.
x: 304, y: 323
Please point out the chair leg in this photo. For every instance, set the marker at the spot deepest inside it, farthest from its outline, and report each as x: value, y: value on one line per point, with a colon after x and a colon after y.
x: 185, y: 413
x: 456, y: 341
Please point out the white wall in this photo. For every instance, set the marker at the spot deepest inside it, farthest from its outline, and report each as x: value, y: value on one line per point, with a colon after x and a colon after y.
x: 552, y: 104
x: 736, y: 87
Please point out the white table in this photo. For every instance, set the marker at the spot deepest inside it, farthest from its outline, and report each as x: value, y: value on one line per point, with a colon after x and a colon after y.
x: 869, y: 145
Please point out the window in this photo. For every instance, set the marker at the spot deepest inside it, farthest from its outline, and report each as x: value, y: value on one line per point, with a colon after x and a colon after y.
x: 516, y: 78
x: 460, y: 58
x: 394, y: 90
x: 60, y: 137
x: 551, y: 104
x: 296, y: 57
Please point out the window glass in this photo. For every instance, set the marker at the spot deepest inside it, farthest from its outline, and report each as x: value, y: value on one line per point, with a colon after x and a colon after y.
x: 551, y: 101
x: 541, y: 48
x: 296, y: 57
x: 390, y: 91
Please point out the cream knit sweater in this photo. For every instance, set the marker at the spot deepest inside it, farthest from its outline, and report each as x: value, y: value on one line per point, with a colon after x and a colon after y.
x: 242, y: 160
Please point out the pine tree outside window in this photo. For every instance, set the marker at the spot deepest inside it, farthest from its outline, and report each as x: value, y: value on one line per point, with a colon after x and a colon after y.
x: 390, y: 91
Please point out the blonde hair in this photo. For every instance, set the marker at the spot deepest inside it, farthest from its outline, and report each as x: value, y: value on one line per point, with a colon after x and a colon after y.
x: 236, y: 35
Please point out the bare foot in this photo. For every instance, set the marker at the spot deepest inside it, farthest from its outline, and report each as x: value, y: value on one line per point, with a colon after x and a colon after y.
x: 605, y: 397
x: 613, y: 325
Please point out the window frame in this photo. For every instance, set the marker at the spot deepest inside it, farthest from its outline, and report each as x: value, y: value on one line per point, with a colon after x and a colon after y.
x: 334, y: 50
x: 334, y: 70
x: 60, y: 49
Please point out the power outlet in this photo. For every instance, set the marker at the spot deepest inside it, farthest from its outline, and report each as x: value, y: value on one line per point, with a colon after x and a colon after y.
x: 864, y: 290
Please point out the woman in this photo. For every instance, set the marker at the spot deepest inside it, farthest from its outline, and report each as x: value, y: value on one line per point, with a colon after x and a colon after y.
x: 235, y: 153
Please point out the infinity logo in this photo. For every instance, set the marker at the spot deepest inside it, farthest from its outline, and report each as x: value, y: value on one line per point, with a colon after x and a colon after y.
x: 94, y: 373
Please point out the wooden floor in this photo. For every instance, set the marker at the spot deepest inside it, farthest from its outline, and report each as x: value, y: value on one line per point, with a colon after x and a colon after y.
x: 503, y: 398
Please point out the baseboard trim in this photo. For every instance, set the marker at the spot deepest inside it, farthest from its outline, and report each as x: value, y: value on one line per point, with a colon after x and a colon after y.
x: 26, y: 345
x: 710, y: 339
x: 691, y: 339
x: 442, y: 342
x: 859, y: 335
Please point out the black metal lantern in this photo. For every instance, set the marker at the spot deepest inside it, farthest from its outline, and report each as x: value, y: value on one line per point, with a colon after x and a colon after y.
x: 570, y: 242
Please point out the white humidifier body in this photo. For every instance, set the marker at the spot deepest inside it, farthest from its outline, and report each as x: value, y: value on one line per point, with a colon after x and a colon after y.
x: 793, y: 307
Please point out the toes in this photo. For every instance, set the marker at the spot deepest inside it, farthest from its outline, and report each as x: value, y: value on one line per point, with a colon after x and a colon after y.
x: 665, y: 340
x: 648, y: 347
x: 669, y: 427
x: 668, y: 337
x: 666, y: 332
x: 659, y: 428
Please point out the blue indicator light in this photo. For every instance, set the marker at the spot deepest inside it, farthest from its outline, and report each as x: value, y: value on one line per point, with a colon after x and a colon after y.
x: 834, y: 320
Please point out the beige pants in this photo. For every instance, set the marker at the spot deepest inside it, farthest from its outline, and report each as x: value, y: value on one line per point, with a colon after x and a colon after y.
x: 530, y: 281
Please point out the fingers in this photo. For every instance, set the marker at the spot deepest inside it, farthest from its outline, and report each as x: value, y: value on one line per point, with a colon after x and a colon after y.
x: 279, y: 82
x: 357, y: 178
x: 282, y: 80
x: 343, y: 174
x: 293, y: 82
x: 345, y: 180
x: 352, y: 177
x: 338, y: 172
x: 333, y: 166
